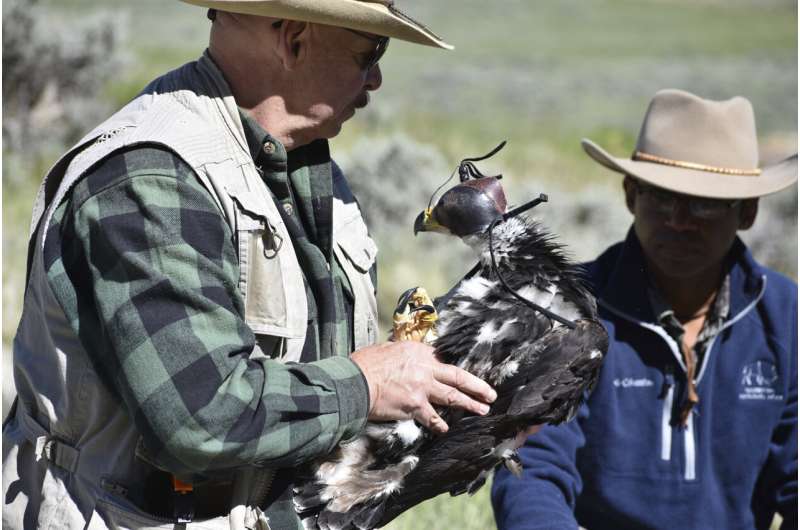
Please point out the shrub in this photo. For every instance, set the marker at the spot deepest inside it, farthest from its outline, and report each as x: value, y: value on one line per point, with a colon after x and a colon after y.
x: 53, y: 73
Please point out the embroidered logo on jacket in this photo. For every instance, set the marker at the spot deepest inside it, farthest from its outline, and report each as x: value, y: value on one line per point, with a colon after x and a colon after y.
x: 759, y: 381
x: 629, y: 382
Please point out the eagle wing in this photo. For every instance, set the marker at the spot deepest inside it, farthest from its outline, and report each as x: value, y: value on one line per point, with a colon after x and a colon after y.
x: 555, y: 366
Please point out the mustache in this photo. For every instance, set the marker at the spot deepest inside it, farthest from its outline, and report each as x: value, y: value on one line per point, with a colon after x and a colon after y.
x: 362, y: 101
x: 688, y: 238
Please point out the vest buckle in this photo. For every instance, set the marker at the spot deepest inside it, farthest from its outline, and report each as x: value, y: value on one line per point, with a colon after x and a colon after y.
x: 54, y: 450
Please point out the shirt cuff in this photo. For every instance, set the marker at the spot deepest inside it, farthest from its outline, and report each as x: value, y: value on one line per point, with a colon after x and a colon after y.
x: 352, y: 392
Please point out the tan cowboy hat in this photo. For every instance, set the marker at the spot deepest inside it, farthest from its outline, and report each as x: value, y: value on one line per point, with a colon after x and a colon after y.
x: 374, y: 16
x: 700, y: 147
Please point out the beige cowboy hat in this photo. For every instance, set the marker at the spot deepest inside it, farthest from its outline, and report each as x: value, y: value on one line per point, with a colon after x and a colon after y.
x: 700, y: 147
x: 374, y: 16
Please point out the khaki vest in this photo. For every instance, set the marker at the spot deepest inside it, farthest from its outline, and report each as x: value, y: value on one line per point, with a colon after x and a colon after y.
x: 71, y: 448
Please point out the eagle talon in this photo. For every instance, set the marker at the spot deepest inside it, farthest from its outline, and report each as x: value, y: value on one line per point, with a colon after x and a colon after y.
x: 404, y: 300
x: 415, y: 317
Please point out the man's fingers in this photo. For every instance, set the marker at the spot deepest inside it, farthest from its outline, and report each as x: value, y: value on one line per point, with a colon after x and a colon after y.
x: 464, y: 381
x: 428, y: 417
x: 449, y: 396
x: 405, y: 378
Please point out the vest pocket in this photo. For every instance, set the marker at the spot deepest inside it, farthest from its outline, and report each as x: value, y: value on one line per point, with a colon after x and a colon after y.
x: 270, y: 279
x: 353, y: 239
x: 266, y: 300
x: 356, y: 253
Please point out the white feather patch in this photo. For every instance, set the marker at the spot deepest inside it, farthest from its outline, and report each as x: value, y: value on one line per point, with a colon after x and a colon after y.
x: 487, y: 333
x: 407, y: 431
x: 505, y: 328
x: 504, y: 240
x: 508, y: 368
x: 540, y: 297
x: 466, y: 309
x: 407, y: 464
x: 476, y: 288
x: 505, y: 448
x: 564, y: 308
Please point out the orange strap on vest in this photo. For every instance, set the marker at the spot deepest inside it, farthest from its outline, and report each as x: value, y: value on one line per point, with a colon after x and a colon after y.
x: 178, y: 486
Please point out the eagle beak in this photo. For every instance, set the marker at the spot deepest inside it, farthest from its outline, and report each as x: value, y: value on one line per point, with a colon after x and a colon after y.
x: 426, y: 223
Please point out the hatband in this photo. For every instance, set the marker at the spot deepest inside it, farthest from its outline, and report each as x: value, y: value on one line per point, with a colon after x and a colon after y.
x: 645, y: 157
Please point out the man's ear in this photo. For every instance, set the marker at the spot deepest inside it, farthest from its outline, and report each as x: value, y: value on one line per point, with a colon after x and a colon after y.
x: 629, y: 185
x: 747, y: 213
x: 293, y: 38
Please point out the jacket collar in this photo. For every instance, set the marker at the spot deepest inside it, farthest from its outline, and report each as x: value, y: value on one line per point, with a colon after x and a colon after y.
x: 626, y: 288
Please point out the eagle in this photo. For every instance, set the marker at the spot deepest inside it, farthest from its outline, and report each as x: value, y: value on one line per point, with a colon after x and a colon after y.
x: 521, y: 319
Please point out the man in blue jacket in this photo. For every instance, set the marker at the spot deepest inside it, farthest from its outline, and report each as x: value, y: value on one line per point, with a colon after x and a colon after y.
x: 693, y: 423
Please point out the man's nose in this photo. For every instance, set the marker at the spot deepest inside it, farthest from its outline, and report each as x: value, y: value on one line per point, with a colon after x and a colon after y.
x: 374, y: 78
x: 680, y: 217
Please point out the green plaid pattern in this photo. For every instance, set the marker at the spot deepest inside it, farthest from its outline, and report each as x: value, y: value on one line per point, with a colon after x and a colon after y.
x: 144, y: 266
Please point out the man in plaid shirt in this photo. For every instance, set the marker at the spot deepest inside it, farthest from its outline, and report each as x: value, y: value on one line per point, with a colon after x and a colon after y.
x: 199, y: 315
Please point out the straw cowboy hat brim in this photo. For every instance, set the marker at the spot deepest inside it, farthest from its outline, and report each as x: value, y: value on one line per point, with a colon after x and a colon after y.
x: 700, y: 147
x: 374, y: 16
x: 697, y: 182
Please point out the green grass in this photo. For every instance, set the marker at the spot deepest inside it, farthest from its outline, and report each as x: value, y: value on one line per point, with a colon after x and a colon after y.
x: 445, y: 512
x: 600, y: 29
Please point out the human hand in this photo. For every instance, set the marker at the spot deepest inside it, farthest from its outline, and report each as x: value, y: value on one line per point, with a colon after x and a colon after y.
x: 405, y: 378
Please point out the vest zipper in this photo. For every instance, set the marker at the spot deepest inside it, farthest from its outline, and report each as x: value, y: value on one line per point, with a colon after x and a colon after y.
x: 250, y: 490
x: 262, y: 483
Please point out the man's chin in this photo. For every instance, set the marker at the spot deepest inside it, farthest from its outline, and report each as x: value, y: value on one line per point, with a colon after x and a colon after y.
x: 676, y: 256
x: 680, y: 263
x: 337, y: 124
x: 334, y: 126
x: 677, y: 253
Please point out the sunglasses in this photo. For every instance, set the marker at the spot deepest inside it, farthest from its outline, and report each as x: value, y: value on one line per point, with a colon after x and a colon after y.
x: 664, y: 202
x: 369, y: 60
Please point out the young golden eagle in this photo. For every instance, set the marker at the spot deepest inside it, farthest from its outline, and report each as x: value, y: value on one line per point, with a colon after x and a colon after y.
x: 521, y: 320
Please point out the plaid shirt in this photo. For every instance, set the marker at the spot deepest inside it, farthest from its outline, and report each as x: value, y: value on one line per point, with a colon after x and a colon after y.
x: 715, y: 320
x: 144, y: 266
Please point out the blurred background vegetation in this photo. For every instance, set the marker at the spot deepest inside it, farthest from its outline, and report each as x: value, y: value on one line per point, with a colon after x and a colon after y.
x: 541, y: 75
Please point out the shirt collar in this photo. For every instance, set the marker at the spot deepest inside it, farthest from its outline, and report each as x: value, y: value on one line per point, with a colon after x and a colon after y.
x: 627, y: 288
x: 304, y: 180
x: 717, y: 313
x: 267, y: 152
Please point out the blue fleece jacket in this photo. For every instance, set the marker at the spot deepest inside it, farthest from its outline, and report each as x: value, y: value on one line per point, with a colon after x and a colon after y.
x: 626, y: 463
